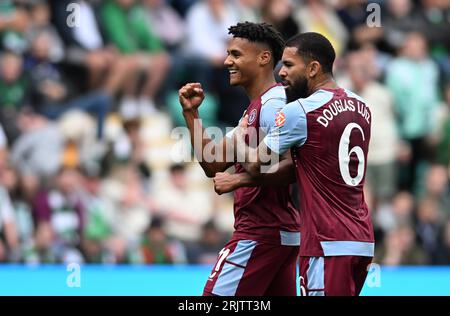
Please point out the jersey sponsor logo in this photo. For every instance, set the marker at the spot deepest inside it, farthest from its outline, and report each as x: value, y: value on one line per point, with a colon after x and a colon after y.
x: 252, y: 116
x: 280, y: 118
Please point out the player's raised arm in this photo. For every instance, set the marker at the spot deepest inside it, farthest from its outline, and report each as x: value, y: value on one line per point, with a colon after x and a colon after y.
x: 191, y: 96
x: 282, y: 173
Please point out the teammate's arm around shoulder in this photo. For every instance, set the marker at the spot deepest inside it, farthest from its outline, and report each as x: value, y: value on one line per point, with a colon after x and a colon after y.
x: 225, y: 182
x: 221, y: 157
x: 290, y: 130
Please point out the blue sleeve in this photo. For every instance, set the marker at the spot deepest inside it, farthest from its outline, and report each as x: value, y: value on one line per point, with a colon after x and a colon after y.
x: 290, y: 129
x: 268, y: 113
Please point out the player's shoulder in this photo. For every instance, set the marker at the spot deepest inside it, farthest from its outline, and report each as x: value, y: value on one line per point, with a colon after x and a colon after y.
x: 352, y: 94
x: 272, y: 101
x: 315, y: 100
x: 274, y: 96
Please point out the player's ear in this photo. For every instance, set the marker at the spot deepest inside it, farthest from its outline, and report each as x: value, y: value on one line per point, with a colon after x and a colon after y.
x: 265, y: 57
x: 314, y: 68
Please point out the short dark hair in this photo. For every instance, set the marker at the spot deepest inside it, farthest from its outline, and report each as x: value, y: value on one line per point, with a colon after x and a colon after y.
x: 260, y: 33
x: 177, y: 167
x: 314, y: 46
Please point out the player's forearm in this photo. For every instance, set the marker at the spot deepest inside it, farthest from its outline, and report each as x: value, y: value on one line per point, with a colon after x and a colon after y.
x: 199, y: 141
x: 282, y: 173
x: 246, y: 180
x: 249, y: 159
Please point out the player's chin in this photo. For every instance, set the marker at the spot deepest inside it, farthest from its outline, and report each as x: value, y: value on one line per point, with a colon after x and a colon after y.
x: 234, y: 81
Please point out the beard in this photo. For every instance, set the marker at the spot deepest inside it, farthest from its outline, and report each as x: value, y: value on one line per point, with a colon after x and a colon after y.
x: 299, y: 89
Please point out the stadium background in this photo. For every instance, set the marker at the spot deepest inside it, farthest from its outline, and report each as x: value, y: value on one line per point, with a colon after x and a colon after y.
x: 88, y: 101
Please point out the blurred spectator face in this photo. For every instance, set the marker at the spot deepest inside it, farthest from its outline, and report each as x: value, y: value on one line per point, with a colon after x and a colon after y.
x: 216, y: 7
x: 440, y: 4
x: 178, y: 177
x: 355, y: 2
x: 132, y: 128
x: 9, y: 178
x: 133, y: 193
x: 153, y: 3
x: 252, y: 3
x: 11, y: 67
x: 402, y: 204
x: 126, y: 4
x: 40, y: 14
x: 92, y: 184
x: 428, y: 212
x: 156, y: 235
x: 405, y: 236
x: 278, y: 9
x: 358, y: 71
x: 393, y: 240
x: 214, y: 3
x: 369, y: 55
x: 399, y: 8
x: 179, y: 180
x: 28, y: 121
x: 67, y: 180
x: 41, y: 46
x: 211, y: 236
x: 30, y: 186
x: 436, y: 180
x: 415, y: 46
x: 242, y: 61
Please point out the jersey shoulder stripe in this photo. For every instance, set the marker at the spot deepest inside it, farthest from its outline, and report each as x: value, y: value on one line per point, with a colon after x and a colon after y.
x: 276, y: 92
x: 354, y: 95
x: 316, y: 100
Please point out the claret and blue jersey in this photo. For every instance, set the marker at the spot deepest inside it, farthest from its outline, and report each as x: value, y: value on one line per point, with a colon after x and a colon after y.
x: 261, y: 257
x: 328, y: 134
x: 265, y: 213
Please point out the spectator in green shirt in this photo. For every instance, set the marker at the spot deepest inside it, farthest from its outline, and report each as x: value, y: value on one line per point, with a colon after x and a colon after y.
x: 413, y: 78
x: 13, y: 93
x: 14, y: 21
x: 125, y: 25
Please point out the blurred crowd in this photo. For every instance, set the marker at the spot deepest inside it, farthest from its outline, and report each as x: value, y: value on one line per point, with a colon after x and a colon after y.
x: 88, y: 100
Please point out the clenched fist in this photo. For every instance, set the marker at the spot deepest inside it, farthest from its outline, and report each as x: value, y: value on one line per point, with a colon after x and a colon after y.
x: 191, y: 96
x: 224, y: 182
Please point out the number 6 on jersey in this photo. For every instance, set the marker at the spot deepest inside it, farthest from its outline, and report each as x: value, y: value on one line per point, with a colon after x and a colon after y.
x: 344, y: 156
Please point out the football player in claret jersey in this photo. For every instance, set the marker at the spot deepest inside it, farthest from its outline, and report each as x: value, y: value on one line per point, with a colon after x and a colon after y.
x: 327, y: 130
x: 260, y: 258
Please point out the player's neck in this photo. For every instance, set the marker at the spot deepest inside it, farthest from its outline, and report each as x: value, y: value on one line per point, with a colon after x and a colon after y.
x: 259, y: 86
x: 324, y: 82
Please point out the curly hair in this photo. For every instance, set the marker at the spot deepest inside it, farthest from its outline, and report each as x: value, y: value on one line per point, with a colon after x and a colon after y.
x: 263, y: 33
